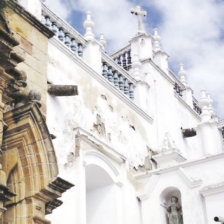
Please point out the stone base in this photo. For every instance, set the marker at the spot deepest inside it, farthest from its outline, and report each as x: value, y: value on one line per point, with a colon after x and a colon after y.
x: 168, y: 158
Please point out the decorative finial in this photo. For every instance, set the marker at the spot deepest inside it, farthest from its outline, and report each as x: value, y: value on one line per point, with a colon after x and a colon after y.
x: 139, y: 13
x: 102, y: 40
x: 182, y: 74
x: 210, y: 107
x: 203, y: 101
x: 156, y: 40
x: 204, y: 104
x: 88, y: 24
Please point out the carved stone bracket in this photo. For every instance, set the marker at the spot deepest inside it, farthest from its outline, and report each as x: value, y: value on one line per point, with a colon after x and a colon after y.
x: 62, y: 90
x: 188, y: 132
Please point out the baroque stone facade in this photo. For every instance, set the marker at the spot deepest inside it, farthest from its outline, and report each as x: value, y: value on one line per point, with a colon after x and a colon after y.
x: 29, y: 184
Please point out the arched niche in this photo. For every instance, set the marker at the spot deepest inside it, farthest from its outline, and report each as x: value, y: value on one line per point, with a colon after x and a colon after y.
x: 99, y: 159
x: 171, y: 206
x: 102, y: 190
x: 29, y: 162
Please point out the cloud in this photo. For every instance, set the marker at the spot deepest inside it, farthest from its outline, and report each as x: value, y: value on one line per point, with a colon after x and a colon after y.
x: 112, y: 18
x: 191, y: 32
x: 60, y: 8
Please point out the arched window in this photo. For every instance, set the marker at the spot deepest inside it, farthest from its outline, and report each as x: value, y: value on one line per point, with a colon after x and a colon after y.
x: 102, y: 191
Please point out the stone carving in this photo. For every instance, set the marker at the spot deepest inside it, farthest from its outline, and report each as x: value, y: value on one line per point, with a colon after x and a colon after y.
x: 168, y: 143
x: 99, y: 126
x: 188, y: 132
x: 3, y: 21
x: 70, y: 160
x: 62, y: 90
x: 174, y: 212
x: 5, y: 193
x: 23, y: 95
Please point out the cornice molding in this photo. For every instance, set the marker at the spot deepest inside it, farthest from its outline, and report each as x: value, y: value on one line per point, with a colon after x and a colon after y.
x: 180, y: 165
x: 121, y: 51
x: 212, y: 189
x: 191, y: 182
x: 191, y: 110
x: 102, y: 146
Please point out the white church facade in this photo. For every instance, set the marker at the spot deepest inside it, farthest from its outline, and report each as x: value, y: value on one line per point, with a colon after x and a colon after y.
x: 137, y: 145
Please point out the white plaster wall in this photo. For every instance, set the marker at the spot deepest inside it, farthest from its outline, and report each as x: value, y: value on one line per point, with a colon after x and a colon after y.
x: 66, y: 113
x: 214, y: 206
x: 210, y: 172
x: 170, y: 114
x: 101, y: 205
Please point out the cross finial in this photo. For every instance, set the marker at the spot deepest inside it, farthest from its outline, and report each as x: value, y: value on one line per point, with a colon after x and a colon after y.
x: 182, y: 74
x: 139, y: 14
x: 156, y: 40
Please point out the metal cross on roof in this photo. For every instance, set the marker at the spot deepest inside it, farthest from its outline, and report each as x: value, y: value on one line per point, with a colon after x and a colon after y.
x: 139, y: 14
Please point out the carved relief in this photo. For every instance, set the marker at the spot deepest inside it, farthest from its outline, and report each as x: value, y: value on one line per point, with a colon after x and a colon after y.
x: 168, y: 143
x: 30, y: 164
x: 99, y: 126
x: 3, y: 21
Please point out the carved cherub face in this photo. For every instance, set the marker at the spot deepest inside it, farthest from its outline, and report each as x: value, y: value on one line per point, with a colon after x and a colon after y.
x: 174, y: 199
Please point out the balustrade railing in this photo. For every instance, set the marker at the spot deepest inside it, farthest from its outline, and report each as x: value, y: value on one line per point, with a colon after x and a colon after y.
x: 221, y: 128
x: 123, y: 58
x: 197, y: 109
x: 63, y: 31
x: 178, y: 89
x: 118, y: 77
x: 222, y: 131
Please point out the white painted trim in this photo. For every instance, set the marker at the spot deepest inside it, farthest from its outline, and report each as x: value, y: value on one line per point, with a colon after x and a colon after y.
x: 121, y: 51
x: 191, y: 182
x: 109, y: 167
x: 141, y: 35
x: 145, y: 193
x: 212, y: 189
x: 57, y: 43
x: 102, y: 147
x: 176, y: 167
x: 192, y: 111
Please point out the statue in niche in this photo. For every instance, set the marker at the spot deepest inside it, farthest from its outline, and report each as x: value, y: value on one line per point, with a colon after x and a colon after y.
x: 174, y: 212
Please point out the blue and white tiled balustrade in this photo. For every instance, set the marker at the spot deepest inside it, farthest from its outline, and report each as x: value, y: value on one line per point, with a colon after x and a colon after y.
x: 65, y: 37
